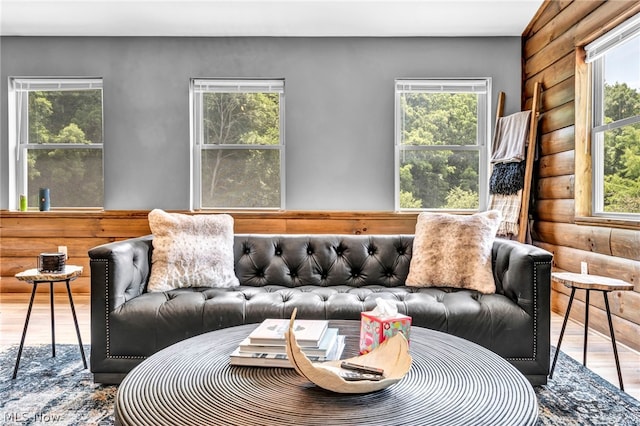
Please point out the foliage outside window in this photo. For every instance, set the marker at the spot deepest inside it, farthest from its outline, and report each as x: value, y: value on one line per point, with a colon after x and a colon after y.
x: 615, y: 135
x: 238, y: 141
x: 441, y: 144
x: 56, y: 140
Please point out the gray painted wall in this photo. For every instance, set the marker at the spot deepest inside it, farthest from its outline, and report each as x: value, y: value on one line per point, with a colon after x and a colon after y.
x: 339, y: 105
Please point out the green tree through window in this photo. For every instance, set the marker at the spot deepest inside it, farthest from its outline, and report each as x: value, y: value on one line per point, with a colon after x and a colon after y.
x: 621, y: 150
x: 614, y: 60
x: 59, y: 134
x: 440, y: 140
x: 238, y: 128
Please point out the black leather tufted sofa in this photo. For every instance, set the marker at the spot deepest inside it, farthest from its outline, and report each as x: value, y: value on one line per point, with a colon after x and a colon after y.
x: 324, y: 276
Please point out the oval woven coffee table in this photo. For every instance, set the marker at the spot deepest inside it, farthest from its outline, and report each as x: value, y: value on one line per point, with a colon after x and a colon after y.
x: 451, y: 382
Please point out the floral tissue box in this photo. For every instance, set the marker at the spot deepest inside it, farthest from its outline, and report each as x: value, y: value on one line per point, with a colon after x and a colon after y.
x: 376, y: 329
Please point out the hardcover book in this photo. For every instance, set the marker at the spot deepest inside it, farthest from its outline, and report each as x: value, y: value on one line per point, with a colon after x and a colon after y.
x: 323, y: 349
x: 280, y: 360
x: 271, y: 331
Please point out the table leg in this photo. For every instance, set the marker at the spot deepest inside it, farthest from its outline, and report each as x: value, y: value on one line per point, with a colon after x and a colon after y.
x: 75, y: 322
x: 24, y: 331
x: 564, y: 326
x: 586, y: 329
x: 613, y: 339
x: 53, y: 321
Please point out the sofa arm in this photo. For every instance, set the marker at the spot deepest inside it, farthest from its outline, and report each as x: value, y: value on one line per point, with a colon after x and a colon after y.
x: 523, y: 273
x: 120, y: 270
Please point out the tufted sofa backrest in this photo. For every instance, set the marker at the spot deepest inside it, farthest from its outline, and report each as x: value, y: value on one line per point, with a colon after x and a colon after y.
x: 322, y: 260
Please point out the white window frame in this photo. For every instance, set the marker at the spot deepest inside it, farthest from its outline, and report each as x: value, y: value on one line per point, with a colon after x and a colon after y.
x: 197, y: 87
x: 18, y: 125
x: 480, y: 86
x: 595, y: 56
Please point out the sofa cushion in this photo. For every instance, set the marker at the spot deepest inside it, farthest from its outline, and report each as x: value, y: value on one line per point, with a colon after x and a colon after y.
x: 153, y: 321
x: 454, y: 251
x: 191, y: 251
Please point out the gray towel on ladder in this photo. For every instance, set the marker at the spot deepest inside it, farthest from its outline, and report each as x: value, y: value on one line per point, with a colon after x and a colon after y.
x: 510, y: 138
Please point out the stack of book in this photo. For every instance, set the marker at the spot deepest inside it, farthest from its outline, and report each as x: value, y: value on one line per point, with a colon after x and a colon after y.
x: 266, y: 345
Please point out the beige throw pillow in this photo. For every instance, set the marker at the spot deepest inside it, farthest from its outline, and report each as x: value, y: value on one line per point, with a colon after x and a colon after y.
x: 454, y: 251
x: 191, y: 251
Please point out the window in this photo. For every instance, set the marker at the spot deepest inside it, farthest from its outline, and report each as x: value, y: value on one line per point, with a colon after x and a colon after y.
x: 55, y: 140
x: 441, y: 144
x: 238, y: 143
x: 615, y: 132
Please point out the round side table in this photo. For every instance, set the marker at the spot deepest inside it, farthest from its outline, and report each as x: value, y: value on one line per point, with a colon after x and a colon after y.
x: 36, y: 277
x: 589, y: 282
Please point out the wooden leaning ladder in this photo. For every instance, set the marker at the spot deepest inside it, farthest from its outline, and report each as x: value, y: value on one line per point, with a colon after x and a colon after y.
x: 523, y: 219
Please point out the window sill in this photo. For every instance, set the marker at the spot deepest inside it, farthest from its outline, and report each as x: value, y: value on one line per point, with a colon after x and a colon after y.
x: 244, y: 214
x: 68, y: 213
x: 608, y: 222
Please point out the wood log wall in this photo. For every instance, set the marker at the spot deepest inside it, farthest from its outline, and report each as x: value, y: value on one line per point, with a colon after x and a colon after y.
x: 551, y: 43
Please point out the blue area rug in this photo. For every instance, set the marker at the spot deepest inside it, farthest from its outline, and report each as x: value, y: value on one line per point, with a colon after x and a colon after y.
x: 577, y: 396
x: 49, y: 390
x: 59, y: 391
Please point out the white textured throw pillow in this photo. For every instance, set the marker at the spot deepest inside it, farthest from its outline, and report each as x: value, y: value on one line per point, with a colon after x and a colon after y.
x: 454, y: 251
x: 191, y: 251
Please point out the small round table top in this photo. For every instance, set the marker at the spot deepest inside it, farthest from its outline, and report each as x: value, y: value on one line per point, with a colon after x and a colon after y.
x: 31, y: 275
x: 451, y: 382
x: 590, y: 282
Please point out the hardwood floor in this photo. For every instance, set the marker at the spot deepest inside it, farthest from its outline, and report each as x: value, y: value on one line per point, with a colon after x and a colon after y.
x: 599, y: 354
x: 13, y: 309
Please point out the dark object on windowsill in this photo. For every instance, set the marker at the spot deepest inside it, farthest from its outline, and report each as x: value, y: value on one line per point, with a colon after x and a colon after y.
x: 44, y: 199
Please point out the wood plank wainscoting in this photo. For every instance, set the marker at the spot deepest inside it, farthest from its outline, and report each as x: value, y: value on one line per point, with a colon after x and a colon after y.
x: 24, y: 235
x: 553, y: 55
